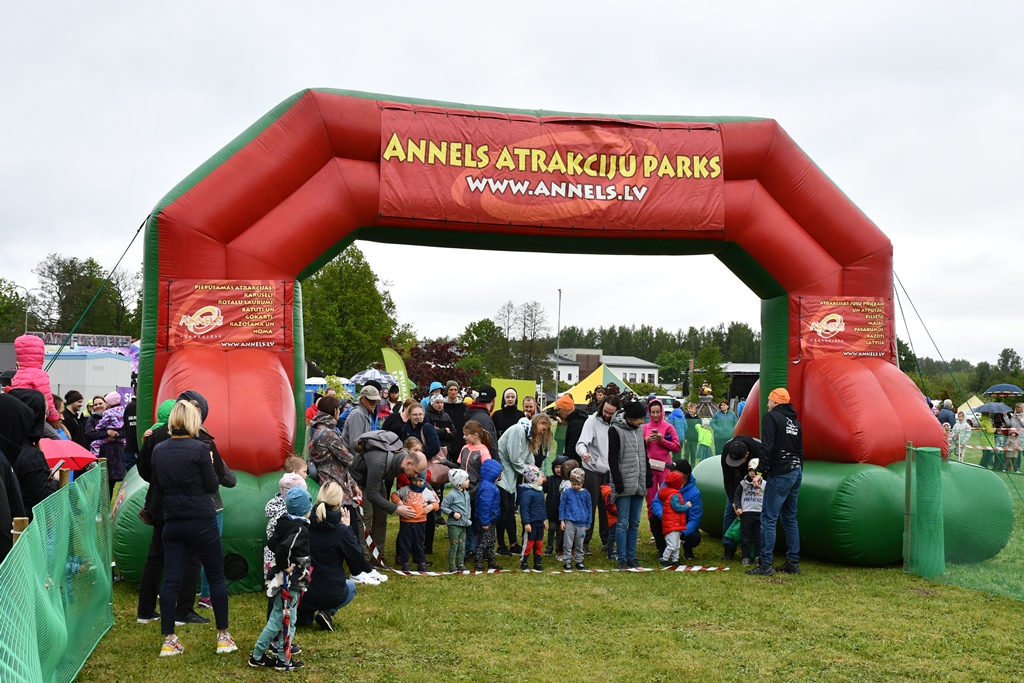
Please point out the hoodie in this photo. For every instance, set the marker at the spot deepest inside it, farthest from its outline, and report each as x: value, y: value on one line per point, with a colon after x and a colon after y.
x: 29, y: 465
x: 553, y: 489
x: 507, y: 416
x: 594, y: 440
x: 661, y: 449
x: 691, y: 494
x: 673, y: 509
x: 15, y: 418
x: 31, y: 352
x: 488, y: 498
x: 531, y: 504
x: 434, y: 386
x: 782, y: 443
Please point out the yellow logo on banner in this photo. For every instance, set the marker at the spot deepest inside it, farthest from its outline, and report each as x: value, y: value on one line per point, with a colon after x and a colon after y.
x: 204, y: 320
x: 829, y: 326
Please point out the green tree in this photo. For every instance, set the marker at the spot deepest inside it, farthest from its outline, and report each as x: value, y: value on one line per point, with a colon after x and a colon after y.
x: 12, y: 311
x: 1009, y: 362
x: 673, y: 366
x: 69, y: 286
x: 742, y: 343
x: 906, y: 357
x: 486, y: 354
x: 346, y: 315
x: 708, y: 368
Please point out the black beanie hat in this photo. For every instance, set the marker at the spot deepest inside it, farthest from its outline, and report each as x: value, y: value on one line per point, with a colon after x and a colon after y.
x: 72, y: 396
x: 634, y: 409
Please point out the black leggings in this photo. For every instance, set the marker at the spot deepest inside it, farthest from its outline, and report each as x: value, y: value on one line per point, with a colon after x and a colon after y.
x: 507, y: 522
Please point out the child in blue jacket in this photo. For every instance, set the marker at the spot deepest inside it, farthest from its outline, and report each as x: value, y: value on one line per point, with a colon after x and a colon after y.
x: 576, y: 516
x: 488, y: 509
x: 534, y: 515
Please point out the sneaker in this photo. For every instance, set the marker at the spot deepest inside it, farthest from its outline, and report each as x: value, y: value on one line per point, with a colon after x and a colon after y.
x: 729, y: 555
x: 524, y: 565
x: 191, y: 618
x: 406, y: 567
x: 581, y: 567
x: 588, y: 551
x: 622, y: 565
x: 324, y: 621
x: 365, y: 579
x: 452, y: 569
x: 516, y: 549
x: 422, y: 567
x: 503, y: 551
x: 761, y: 570
x: 687, y: 554
x: 538, y: 566
x: 493, y: 564
x: 745, y: 562
x: 205, y: 603
x: 225, y: 644
x: 567, y: 566
x: 789, y: 568
x: 666, y: 563
x: 171, y: 647
x: 461, y: 568
x: 155, y: 616
x: 549, y: 551
x: 294, y: 664
x: 265, y: 661
x: 633, y: 564
x: 381, y: 578
x: 272, y: 651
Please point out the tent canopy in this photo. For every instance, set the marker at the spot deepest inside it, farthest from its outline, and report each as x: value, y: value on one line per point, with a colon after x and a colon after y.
x: 972, y: 402
x: 602, y: 376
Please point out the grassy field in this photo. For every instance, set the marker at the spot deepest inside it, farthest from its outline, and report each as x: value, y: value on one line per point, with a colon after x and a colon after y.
x: 831, y: 623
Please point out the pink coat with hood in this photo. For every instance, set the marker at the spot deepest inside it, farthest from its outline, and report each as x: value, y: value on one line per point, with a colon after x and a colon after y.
x: 31, y: 352
x: 661, y: 450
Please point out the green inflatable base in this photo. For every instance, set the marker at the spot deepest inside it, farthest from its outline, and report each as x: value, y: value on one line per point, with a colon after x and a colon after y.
x: 854, y: 514
x: 245, y: 528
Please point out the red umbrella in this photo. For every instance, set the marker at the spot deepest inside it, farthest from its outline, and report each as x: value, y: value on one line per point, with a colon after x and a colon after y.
x: 74, y: 456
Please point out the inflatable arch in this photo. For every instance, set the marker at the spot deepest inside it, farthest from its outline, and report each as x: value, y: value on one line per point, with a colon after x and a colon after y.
x: 226, y: 251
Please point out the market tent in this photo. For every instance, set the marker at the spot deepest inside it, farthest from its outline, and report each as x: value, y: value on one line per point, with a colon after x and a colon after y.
x: 972, y: 402
x: 602, y: 376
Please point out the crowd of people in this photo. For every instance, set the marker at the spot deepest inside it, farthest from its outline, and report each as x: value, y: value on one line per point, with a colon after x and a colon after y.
x: 1001, y: 434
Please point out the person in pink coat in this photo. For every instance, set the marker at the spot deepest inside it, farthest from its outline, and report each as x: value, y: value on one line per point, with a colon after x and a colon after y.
x: 30, y: 353
x: 662, y: 442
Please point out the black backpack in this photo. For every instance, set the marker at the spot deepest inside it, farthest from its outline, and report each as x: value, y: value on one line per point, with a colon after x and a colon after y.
x: 377, y: 440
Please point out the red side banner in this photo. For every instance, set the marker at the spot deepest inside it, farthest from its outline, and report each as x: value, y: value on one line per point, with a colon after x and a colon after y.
x: 485, y: 167
x: 229, y: 313
x: 848, y: 326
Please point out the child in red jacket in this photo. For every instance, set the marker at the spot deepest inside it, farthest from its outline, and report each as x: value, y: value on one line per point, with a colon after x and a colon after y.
x: 673, y: 516
x: 613, y: 517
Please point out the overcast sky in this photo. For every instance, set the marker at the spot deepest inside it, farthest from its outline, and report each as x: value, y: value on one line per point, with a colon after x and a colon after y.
x: 912, y: 108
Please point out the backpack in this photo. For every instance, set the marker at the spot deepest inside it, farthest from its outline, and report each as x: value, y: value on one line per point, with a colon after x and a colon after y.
x: 377, y: 440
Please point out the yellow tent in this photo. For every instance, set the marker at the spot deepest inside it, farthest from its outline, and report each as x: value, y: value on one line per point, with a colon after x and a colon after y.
x: 602, y: 376
x: 972, y: 402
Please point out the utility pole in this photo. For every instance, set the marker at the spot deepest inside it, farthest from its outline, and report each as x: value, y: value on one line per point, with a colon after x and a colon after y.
x: 558, y: 344
x: 28, y: 302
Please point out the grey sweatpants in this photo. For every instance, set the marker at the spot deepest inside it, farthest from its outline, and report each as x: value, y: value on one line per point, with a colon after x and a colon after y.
x: 671, y: 553
x: 572, y: 545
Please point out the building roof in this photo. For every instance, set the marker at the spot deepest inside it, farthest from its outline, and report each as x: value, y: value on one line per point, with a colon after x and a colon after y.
x: 628, y: 362
x: 741, y: 368
x: 562, y: 360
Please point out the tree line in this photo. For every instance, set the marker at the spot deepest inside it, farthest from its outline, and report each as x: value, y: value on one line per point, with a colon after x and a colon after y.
x: 959, y: 379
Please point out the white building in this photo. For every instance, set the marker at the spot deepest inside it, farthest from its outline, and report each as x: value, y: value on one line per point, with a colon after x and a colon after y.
x: 575, y: 364
x: 632, y: 369
x: 565, y: 369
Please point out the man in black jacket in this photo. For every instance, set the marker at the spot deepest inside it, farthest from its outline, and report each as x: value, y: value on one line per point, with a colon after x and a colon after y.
x: 573, y: 419
x: 736, y: 453
x: 480, y: 411
x: 781, y: 463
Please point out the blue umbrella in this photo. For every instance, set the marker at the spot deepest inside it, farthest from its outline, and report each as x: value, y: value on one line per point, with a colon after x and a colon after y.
x: 992, y: 408
x: 1005, y: 390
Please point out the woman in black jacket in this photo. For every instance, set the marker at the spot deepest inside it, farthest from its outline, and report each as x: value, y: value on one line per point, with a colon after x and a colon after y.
x: 183, y: 469
x: 329, y: 588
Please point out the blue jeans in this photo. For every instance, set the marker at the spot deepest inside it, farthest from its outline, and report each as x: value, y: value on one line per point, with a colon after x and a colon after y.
x: 628, y: 526
x: 780, y: 495
x: 727, y: 519
x: 275, y: 624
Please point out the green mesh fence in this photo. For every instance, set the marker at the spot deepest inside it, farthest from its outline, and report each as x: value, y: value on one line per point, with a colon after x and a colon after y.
x: 56, y: 585
x: 964, y: 524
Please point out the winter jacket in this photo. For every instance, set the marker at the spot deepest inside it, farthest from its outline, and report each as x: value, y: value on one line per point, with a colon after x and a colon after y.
x: 594, y: 440
x: 457, y: 501
x: 705, y: 436
x: 782, y: 443
x: 673, y: 509
x: 506, y: 416
x: 427, y: 436
x: 488, y: 499
x: 155, y: 496
x: 691, y: 495
x: 329, y: 454
x: 947, y: 416
x: 573, y: 429
x: 669, y: 444
x: 72, y: 425
x: 30, y: 468
x: 359, y: 422
x: 423, y: 502
x: 748, y: 497
x: 273, y: 510
x: 327, y: 587
x: 31, y: 352
x: 627, y: 459
x: 531, y: 505
x: 610, y: 509
x: 575, y: 507
x: 457, y: 412
x: 434, y: 386
x: 552, y: 490
x: 470, y: 460
x: 374, y: 467
x: 442, y: 424
x: 290, y: 544
x: 15, y: 418
x: 184, y: 471
x: 479, y: 413
x: 131, y: 427
x: 514, y: 454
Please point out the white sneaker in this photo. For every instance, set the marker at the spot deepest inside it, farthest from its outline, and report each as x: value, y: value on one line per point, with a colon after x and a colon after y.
x: 365, y: 579
x: 381, y: 578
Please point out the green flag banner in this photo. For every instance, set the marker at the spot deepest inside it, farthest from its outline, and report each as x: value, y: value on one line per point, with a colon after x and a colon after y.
x: 395, y: 366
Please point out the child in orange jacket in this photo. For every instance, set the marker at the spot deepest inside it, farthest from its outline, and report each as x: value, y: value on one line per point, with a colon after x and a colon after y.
x: 422, y: 499
x: 613, y: 517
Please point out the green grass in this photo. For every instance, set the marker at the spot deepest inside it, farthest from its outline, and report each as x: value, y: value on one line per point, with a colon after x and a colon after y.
x: 831, y: 623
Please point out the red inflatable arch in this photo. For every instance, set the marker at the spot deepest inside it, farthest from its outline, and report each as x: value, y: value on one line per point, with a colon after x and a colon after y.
x: 227, y: 249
